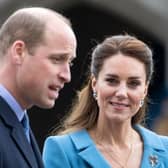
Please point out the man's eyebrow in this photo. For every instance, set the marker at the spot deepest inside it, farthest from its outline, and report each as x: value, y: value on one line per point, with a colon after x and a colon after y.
x: 62, y: 56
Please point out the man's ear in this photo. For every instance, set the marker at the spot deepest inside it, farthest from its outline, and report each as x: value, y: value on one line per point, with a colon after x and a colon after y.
x: 18, y: 50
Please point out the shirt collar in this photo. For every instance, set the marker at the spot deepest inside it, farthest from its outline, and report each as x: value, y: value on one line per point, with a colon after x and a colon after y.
x: 7, y: 96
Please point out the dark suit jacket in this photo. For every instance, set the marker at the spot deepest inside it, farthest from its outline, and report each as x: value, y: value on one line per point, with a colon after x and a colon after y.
x: 15, y: 150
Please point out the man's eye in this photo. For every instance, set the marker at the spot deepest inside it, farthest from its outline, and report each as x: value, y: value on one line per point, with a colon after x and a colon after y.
x: 71, y: 64
x: 54, y: 60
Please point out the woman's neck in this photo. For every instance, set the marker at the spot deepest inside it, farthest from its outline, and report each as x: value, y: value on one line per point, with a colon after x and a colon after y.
x: 117, y: 134
x: 118, y: 143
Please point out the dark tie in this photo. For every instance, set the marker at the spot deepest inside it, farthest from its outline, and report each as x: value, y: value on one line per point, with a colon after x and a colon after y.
x: 25, y: 123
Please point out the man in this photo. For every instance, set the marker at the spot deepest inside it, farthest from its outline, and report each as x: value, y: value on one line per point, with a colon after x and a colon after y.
x: 37, y: 46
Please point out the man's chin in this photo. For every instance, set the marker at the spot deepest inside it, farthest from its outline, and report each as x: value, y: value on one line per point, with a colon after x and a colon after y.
x: 47, y: 105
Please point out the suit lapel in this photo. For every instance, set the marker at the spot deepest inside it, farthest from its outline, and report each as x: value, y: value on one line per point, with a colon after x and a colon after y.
x: 17, y: 133
x: 36, y: 150
x: 24, y: 146
x: 87, y: 150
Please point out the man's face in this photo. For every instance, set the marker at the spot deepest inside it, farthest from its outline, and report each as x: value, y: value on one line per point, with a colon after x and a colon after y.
x: 42, y: 74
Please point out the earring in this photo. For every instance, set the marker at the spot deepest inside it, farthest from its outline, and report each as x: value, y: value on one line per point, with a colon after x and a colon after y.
x: 141, y: 103
x: 95, y: 95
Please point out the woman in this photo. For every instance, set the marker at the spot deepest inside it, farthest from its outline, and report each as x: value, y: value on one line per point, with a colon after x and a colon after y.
x: 103, y: 130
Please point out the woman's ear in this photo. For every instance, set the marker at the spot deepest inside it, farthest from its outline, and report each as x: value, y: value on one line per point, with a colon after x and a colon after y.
x: 146, y: 89
x: 93, y: 82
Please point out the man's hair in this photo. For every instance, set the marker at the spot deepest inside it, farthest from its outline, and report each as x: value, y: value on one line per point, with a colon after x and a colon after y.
x: 27, y: 25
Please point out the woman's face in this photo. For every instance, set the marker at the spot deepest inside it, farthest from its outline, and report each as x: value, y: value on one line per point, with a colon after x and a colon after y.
x: 120, y: 87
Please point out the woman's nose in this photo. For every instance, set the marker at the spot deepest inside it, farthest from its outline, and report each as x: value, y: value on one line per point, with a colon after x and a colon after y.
x: 121, y: 90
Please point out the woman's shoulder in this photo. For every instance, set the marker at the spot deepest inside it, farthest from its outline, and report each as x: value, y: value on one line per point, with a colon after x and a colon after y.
x: 65, y: 144
x: 164, y: 140
x: 57, y: 145
x: 150, y: 132
x: 57, y: 139
x: 150, y: 137
x: 64, y: 138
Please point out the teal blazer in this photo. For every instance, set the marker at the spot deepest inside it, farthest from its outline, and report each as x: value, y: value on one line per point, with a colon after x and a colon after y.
x: 77, y: 150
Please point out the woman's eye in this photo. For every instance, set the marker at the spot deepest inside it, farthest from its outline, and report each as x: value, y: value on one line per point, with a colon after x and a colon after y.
x: 112, y: 81
x: 134, y: 84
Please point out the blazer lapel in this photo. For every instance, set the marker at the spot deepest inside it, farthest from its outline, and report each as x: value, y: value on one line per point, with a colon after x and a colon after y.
x: 151, y: 159
x: 87, y: 149
x: 154, y: 151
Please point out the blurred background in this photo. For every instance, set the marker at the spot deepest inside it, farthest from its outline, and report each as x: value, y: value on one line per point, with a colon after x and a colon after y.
x: 93, y: 20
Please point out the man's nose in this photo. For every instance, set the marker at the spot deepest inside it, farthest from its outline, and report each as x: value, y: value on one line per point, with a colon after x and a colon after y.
x: 65, y: 73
